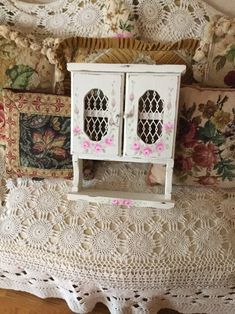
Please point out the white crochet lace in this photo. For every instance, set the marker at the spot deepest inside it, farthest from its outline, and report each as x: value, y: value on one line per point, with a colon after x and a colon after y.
x: 167, y: 20
x: 131, y: 259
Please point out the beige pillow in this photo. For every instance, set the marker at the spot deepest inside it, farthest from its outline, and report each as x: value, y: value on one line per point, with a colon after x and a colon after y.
x: 215, y: 56
x: 119, y: 50
x: 23, y: 66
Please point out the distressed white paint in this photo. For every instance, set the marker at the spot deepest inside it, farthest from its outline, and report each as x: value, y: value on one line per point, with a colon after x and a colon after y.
x: 126, y: 68
x: 135, y: 199
x: 112, y: 87
x: 135, y: 80
x: 136, y: 86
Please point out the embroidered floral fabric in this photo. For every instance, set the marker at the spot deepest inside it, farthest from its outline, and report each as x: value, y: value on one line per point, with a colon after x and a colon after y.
x: 205, y: 145
x: 120, y: 20
x: 37, y: 135
x: 22, y: 67
x: 87, y: 253
x: 22, y: 64
x: 215, y: 57
x: 44, y: 141
x: 205, y: 150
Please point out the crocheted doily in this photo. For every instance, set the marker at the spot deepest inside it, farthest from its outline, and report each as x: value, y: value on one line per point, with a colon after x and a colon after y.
x: 167, y: 20
x: 135, y: 259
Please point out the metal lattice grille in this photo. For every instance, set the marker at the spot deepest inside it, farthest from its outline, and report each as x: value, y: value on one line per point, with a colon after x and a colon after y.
x: 96, y: 121
x: 150, y: 117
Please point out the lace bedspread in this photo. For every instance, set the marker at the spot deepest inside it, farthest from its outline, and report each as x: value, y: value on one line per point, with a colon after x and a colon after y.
x: 169, y: 20
x: 134, y: 260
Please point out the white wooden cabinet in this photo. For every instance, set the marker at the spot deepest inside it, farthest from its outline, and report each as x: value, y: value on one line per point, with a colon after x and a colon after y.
x: 124, y: 112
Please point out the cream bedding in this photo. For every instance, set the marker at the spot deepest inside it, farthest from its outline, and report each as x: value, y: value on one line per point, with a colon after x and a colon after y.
x: 224, y: 6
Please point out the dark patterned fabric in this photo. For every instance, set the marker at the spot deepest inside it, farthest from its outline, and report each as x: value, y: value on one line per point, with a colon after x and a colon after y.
x: 37, y: 135
x: 44, y: 141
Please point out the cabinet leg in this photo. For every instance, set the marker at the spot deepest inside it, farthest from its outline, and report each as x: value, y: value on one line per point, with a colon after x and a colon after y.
x: 168, y: 181
x: 77, y: 174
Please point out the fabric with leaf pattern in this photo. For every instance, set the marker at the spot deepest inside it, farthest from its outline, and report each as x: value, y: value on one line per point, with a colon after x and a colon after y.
x: 37, y: 134
x: 205, y: 150
x: 23, y: 68
x: 120, y: 19
x: 44, y: 141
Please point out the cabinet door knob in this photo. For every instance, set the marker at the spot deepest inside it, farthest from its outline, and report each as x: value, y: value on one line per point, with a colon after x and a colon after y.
x: 128, y: 115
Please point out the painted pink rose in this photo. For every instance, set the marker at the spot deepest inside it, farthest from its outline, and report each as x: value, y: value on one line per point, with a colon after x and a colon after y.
x: 131, y: 97
x: 204, y: 155
x: 127, y: 202
x: 116, y: 202
x: 86, y: 144
x: 77, y: 130
x: 108, y: 141
x: 147, y: 151
x: 136, y: 146
x: 98, y: 148
x: 123, y: 35
x: 160, y: 146
x: 169, y: 126
x: 208, y: 180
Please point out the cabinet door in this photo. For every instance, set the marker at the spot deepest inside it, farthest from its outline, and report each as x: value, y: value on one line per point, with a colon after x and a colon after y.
x: 97, y: 106
x: 150, y: 115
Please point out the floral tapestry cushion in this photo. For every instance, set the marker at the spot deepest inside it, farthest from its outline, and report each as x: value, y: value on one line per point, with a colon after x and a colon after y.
x: 215, y: 57
x: 23, y: 66
x: 119, y: 19
x: 205, y: 146
x: 37, y: 135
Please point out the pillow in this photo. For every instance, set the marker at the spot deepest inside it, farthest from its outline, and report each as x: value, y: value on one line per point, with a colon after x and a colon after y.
x: 215, y: 56
x: 37, y: 135
x: 205, y: 146
x: 23, y: 66
x: 125, y: 50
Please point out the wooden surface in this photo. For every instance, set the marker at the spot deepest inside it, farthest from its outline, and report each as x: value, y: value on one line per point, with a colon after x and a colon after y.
x: 15, y: 302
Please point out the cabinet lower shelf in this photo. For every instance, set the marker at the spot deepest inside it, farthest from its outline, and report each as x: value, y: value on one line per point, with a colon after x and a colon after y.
x: 122, y: 198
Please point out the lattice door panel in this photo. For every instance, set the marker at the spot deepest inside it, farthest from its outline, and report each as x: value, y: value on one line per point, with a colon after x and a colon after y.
x: 95, y: 117
x: 97, y: 108
x: 150, y: 117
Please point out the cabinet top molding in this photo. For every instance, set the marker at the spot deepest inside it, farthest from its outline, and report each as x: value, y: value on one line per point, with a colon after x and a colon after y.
x: 127, y: 68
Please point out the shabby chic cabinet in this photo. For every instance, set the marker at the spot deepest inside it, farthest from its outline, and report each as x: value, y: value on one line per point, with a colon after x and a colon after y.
x: 124, y: 112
